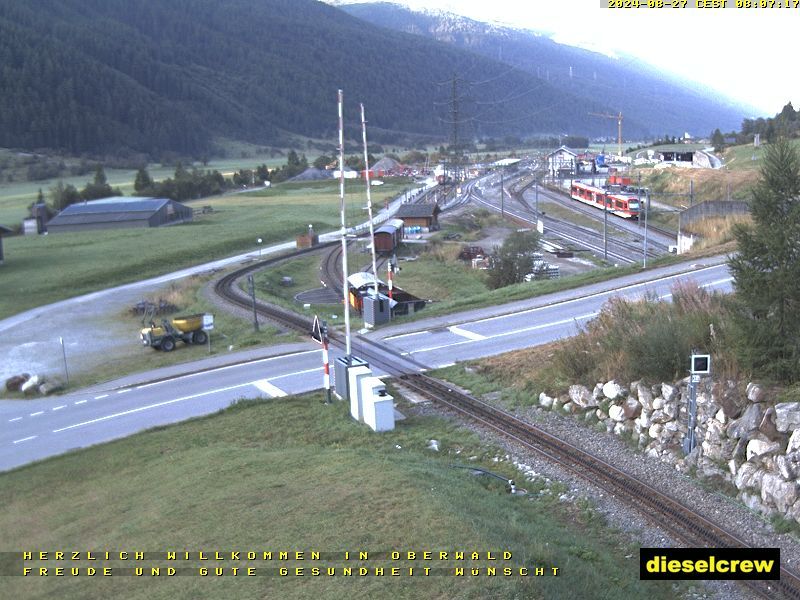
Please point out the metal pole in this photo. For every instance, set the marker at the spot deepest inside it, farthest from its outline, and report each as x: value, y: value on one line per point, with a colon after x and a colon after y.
x: 327, y: 373
x: 536, y: 196
x: 502, y: 194
x: 369, y: 198
x: 605, y: 227
x: 639, y: 197
x: 345, y: 290
x: 64, y: 354
x: 252, y: 284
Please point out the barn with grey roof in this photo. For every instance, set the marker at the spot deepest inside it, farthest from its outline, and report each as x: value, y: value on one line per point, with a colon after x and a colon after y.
x: 120, y: 212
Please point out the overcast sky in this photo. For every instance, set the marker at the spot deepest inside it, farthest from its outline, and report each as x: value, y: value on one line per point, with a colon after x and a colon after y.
x: 748, y: 54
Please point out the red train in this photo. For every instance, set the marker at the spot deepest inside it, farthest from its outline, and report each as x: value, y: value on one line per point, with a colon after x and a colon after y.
x: 618, y: 203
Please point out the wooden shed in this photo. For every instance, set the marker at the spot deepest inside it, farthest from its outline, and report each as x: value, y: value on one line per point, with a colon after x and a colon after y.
x: 425, y: 215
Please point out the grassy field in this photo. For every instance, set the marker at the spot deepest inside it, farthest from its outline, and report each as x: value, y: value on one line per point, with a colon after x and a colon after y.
x: 17, y: 195
x: 43, y: 269
x: 294, y: 475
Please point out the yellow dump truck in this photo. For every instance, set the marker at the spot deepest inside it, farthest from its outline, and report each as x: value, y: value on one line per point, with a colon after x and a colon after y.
x: 188, y: 329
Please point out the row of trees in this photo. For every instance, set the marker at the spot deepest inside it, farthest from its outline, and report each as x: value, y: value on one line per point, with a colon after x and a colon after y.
x: 62, y: 195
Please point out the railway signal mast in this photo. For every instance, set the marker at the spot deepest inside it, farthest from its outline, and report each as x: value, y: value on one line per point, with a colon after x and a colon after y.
x: 619, y: 127
x: 369, y: 198
x: 345, y: 289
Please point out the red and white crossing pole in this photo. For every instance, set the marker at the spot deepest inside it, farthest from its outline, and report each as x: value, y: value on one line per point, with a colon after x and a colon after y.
x: 391, y: 277
x: 326, y: 378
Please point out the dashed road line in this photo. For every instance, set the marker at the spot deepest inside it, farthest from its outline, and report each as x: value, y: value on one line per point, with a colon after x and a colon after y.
x: 124, y: 391
x: 24, y: 439
x: 59, y: 407
x: 149, y: 406
x: 36, y: 414
x: 100, y: 397
x: 269, y: 389
x: 15, y: 419
x: 470, y: 335
x: 81, y: 401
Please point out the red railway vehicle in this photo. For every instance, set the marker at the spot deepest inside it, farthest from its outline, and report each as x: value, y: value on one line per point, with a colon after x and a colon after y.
x: 618, y: 203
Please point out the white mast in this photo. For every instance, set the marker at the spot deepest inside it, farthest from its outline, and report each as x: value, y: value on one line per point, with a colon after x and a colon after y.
x: 345, y: 291
x: 369, y: 198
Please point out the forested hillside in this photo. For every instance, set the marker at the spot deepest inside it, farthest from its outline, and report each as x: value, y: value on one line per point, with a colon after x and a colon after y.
x: 651, y: 101
x: 118, y: 76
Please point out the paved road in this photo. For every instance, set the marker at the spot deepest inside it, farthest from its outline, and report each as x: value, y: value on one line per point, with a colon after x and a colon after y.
x: 32, y: 430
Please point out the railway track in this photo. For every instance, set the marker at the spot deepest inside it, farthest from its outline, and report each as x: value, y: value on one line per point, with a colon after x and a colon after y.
x: 619, y: 250
x: 667, y: 512
x: 684, y: 522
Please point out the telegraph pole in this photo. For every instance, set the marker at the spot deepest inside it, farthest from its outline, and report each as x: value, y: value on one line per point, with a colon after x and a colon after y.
x: 345, y: 290
x: 605, y: 229
x: 639, y: 196
x: 502, y: 193
x: 252, y: 286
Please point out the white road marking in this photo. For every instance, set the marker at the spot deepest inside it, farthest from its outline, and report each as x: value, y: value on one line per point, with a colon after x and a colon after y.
x: 15, y: 419
x: 36, y: 414
x: 100, y: 397
x: 125, y: 391
x: 470, y: 335
x: 269, y: 389
x: 515, y: 332
x: 236, y: 366
x: 24, y: 439
x: 82, y: 401
x: 149, y: 406
x: 402, y: 335
x: 60, y: 407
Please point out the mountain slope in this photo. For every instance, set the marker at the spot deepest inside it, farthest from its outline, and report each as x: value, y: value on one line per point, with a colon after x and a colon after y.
x: 136, y: 75
x: 648, y: 99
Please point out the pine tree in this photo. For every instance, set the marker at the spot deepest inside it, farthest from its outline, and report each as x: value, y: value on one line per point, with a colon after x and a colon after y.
x: 143, y: 182
x: 766, y: 270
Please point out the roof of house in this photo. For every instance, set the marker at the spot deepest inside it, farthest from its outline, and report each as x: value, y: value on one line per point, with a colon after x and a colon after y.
x: 363, y: 279
x: 390, y: 226
x: 115, y: 204
x: 116, y: 209
x: 563, y: 149
x: 427, y: 209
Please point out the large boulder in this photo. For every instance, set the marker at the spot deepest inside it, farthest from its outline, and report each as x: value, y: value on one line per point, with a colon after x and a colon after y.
x: 788, y: 465
x: 730, y: 399
x: 545, y: 401
x: 580, y: 396
x: 669, y: 392
x: 749, y: 475
x: 616, y: 413
x: 768, y: 427
x: 787, y: 416
x: 645, y: 396
x: 612, y: 390
x: 758, y: 448
x: 755, y: 393
x: 15, y: 382
x: 631, y: 407
x: 782, y: 494
x: 794, y: 441
x: 747, y: 423
x: 31, y: 386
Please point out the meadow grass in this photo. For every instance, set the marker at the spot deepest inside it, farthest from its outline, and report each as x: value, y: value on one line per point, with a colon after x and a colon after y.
x: 293, y: 474
x: 43, y: 269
